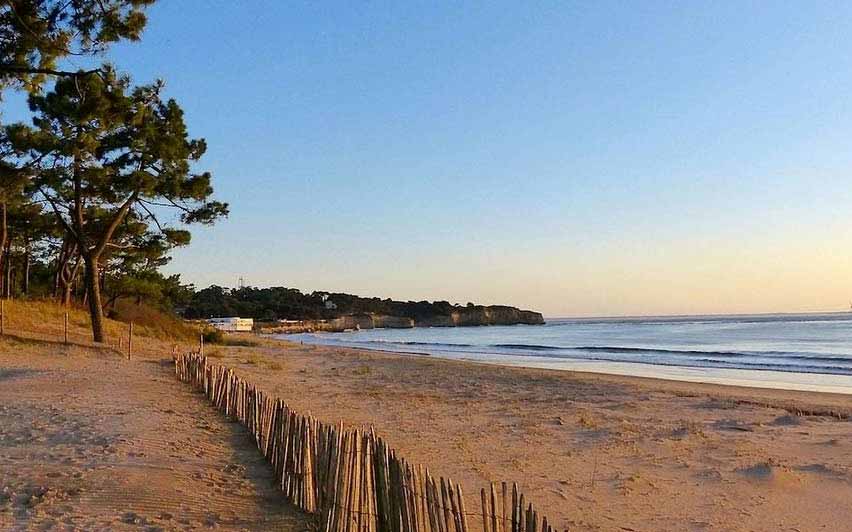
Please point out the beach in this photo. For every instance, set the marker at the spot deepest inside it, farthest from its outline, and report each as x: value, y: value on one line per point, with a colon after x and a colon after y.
x: 92, y: 441
x: 425, y: 267
x: 595, y: 452
x: 792, y: 351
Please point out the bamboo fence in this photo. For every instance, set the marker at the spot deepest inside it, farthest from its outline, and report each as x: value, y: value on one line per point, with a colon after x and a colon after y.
x: 350, y: 479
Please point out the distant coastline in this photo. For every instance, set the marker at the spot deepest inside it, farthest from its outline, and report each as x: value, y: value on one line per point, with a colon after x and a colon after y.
x: 289, y: 310
x: 470, y: 316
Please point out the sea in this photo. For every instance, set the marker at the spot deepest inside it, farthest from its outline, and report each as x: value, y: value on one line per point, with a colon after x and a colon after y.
x: 811, y: 351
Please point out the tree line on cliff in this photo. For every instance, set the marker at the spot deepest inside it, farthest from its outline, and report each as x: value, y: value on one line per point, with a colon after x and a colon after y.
x: 100, y: 186
x: 289, y: 303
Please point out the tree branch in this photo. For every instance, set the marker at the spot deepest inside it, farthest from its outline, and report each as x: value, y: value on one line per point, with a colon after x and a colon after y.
x: 151, y: 215
x: 117, y: 219
x: 59, y: 217
x: 6, y: 68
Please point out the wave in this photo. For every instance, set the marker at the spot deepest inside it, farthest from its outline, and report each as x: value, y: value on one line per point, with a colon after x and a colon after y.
x: 794, y: 360
x: 533, y: 347
x: 394, y: 342
x: 566, y: 350
x: 622, y: 349
x: 800, y: 368
x: 788, y: 355
x: 657, y: 350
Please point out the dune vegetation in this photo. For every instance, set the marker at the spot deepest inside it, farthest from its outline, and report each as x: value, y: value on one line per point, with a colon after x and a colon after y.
x: 45, y: 320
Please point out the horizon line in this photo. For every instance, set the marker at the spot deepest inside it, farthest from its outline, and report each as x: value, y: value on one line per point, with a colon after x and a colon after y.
x: 708, y: 314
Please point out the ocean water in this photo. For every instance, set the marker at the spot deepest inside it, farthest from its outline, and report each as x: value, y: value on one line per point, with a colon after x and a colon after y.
x: 795, y: 351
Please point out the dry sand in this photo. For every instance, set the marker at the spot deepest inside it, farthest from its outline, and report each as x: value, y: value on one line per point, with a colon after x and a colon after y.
x: 89, y: 441
x: 595, y: 452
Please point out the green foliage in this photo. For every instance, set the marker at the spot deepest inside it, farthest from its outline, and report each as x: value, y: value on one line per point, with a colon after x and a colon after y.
x: 86, y: 185
x: 107, y: 159
x: 36, y: 34
x: 289, y: 303
x: 123, y: 149
x: 175, y: 294
x: 264, y: 304
x: 213, y: 336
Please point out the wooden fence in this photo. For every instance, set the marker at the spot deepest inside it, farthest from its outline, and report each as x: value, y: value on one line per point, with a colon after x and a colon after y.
x: 349, y: 479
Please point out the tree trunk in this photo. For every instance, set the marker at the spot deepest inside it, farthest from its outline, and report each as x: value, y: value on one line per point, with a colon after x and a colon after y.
x: 69, y: 279
x: 61, y: 269
x: 56, y: 285
x: 66, y: 273
x: 8, y: 281
x: 67, y: 294
x: 111, y: 303
x: 93, y: 291
x: 4, y: 234
x: 27, y: 260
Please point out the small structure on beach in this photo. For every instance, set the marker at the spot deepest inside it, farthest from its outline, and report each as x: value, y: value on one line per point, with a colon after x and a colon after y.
x: 233, y: 324
x: 329, y: 304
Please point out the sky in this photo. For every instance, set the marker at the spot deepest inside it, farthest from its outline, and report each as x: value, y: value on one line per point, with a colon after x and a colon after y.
x: 595, y: 158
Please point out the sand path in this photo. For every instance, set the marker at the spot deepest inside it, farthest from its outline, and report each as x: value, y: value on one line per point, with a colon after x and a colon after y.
x: 92, y: 442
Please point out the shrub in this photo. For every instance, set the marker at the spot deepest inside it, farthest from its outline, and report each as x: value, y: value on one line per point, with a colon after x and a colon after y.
x: 212, y: 335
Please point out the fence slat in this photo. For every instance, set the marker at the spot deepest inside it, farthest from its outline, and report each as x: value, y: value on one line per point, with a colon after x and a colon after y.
x: 351, y: 480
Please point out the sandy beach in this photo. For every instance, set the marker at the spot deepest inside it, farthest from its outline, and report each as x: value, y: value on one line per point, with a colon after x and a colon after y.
x: 596, y: 452
x: 90, y: 440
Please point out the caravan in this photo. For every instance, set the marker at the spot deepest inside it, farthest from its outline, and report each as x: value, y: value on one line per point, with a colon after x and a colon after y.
x: 232, y: 324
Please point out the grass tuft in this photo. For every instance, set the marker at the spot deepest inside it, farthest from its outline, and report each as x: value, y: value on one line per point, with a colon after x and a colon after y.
x: 45, y: 320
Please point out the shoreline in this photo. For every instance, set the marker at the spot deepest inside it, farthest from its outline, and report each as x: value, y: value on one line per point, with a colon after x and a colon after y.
x: 812, y: 402
x: 595, y: 451
x: 746, y: 378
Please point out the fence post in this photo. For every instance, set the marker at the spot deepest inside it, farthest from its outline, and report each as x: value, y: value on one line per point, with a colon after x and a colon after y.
x: 201, y: 344
x: 484, y: 501
x: 351, y: 480
x: 130, y: 341
x: 505, y: 507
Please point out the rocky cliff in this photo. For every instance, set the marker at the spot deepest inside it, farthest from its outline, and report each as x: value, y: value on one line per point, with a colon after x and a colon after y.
x: 459, y: 317
x: 392, y: 322
x: 481, y: 315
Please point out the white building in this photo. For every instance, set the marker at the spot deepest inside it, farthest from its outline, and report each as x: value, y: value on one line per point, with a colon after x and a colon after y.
x: 232, y: 324
x: 329, y: 304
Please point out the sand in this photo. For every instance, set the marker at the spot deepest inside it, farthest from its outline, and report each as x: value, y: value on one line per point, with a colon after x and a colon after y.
x: 595, y: 452
x: 90, y: 441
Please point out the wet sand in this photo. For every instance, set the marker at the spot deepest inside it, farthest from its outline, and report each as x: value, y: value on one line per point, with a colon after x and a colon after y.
x: 595, y: 452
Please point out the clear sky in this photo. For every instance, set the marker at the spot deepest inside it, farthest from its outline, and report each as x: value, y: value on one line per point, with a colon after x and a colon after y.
x: 579, y: 159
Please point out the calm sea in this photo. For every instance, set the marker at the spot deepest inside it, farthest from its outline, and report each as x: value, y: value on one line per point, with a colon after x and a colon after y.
x: 796, y: 351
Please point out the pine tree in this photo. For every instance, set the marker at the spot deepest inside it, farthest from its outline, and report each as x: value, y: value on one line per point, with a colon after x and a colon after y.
x: 36, y: 34
x: 102, y: 155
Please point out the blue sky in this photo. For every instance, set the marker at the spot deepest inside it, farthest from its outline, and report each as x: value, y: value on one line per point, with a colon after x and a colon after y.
x: 579, y: 159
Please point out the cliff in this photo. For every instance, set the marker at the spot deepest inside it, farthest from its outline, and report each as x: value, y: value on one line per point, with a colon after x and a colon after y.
x: 481, y: 315
x: 290, y: 308
x: 392, y: 322
x: 471, y: 316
